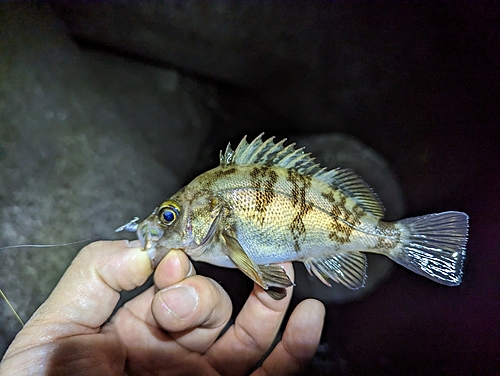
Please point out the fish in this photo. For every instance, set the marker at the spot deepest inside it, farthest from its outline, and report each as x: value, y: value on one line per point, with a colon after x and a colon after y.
x: 267, y: 203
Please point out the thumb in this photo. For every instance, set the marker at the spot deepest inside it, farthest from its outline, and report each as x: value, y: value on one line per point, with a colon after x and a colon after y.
x: 86, y: 294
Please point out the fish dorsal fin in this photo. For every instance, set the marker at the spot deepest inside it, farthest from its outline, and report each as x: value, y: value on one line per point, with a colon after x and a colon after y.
x: 349, y: 183
x: 270, y: 153
x: 276, y: 154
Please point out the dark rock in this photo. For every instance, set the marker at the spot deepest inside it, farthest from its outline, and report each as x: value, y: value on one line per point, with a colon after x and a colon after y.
x: 313, y: 62
x: 87, y: 141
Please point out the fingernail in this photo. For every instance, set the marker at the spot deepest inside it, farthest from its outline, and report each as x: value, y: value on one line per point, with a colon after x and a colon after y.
x: 191, y: 270
x: 180, y: 301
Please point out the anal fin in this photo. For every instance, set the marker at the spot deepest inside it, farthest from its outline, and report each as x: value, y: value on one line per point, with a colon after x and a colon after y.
x: 348, y: 269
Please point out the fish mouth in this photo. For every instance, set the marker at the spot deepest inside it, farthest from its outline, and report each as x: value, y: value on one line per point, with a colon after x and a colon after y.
x: 149, y: 236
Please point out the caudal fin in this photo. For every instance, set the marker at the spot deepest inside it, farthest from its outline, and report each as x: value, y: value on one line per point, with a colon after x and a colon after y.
x: 433, y: 245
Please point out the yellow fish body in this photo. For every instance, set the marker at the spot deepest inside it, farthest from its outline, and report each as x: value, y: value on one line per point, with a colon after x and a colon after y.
x: 268, y: 203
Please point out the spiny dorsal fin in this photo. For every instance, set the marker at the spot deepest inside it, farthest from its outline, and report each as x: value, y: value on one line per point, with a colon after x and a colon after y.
x: 276, y: 154
x: 270, y: 153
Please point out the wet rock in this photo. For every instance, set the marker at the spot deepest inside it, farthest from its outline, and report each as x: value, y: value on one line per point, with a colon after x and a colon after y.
x: 87, y: 141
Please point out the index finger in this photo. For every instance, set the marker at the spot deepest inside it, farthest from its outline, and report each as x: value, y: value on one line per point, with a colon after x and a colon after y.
x: 87, y: 293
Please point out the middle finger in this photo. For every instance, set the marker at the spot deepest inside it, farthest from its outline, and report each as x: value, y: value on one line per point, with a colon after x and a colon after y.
x: 253, y: 332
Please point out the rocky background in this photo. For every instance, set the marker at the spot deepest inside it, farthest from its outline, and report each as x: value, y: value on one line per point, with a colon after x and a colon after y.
x: 108, y: 108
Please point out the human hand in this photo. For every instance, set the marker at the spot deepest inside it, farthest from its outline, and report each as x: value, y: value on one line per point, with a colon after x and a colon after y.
x: 171, y: 332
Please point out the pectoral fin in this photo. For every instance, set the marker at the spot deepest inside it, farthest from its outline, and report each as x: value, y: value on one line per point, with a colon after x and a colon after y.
x: 271, y: 278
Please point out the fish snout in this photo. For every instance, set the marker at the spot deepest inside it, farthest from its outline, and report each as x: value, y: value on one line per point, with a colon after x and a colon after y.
x: 149, y: 236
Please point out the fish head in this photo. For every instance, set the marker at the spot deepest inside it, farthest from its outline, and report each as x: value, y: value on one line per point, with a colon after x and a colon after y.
x: 163, y: 230
x: 182, y: 222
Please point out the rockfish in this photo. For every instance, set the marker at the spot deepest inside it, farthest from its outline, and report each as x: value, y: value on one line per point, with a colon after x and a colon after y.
x: 267, y: 203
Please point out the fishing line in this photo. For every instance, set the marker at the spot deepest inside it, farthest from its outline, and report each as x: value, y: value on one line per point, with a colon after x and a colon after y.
x: 12, y: 308
x: 2, y: 294
x: 49, y: 245
x: 130, y: 226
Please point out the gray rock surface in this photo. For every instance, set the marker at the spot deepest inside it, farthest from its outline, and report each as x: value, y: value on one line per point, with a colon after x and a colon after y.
x: 87, y: 141
x: 313, y: 62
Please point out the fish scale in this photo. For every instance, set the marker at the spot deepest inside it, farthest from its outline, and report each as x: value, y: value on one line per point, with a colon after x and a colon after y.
x: 267, y: 219
x: 268, y: 203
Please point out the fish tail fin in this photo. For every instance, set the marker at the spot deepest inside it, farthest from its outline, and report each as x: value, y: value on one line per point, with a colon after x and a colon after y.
x: 433, y: 245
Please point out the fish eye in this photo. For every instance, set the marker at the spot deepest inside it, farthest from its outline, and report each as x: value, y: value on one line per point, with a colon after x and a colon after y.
x: 169, y: 215
x: 169, y: 212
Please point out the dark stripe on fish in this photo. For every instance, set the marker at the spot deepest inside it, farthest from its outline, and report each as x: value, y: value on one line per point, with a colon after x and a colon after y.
x: 343, y: 221
x: 300, y: 184
x: 263, y: 179
x: 208, y: 180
